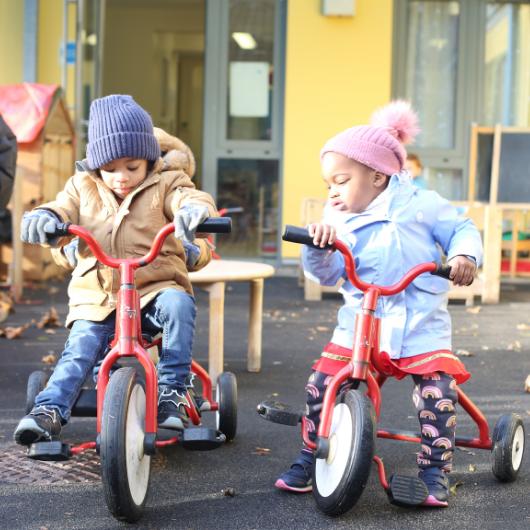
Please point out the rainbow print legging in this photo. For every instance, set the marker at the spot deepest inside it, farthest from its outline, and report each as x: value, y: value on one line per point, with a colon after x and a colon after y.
x: 434, y: 397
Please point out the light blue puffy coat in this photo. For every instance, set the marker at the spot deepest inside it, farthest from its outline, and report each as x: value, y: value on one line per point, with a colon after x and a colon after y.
x: 406, y: 227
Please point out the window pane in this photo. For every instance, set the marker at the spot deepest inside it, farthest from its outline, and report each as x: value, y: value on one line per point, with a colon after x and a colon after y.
x: 431, y: 71
x: 253, y: 186
x: 449, y: 183
x: 507, y: 65
x: 250, y: 69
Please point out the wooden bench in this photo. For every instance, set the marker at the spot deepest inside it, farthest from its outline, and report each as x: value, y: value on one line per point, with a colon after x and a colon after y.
x: 213, y: 279
x: 487, y: 218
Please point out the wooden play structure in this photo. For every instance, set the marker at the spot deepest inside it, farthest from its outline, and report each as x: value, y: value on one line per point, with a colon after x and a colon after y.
x: 499, y: 175
x: 39, y: 119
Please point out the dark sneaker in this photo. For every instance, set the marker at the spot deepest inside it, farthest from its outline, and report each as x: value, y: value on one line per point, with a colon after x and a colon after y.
x: 41, y: 424
x: 172, y: 413
x: 299, y: 477
x: 438, y: 485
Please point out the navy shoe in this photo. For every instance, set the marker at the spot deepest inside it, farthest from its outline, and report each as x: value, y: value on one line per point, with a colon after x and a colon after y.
x: 41, y: 424
x: 299, y: 478
x: 172, y: 405
x: 438, y: 485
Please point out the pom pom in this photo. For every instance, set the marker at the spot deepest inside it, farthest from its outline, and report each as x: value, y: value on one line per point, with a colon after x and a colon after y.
x: 400, y: 120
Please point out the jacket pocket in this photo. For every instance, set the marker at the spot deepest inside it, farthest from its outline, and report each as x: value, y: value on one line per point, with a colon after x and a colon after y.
x: 85, y: 287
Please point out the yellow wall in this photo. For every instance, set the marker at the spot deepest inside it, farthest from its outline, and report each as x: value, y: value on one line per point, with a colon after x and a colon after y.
x: 338, y: 70
x: 11, y: 42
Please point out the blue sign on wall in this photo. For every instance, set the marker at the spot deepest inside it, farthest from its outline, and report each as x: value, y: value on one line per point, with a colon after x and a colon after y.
x: 70, y: 52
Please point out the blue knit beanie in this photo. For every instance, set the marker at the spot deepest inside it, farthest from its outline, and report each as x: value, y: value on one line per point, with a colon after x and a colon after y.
x: 119, y: 128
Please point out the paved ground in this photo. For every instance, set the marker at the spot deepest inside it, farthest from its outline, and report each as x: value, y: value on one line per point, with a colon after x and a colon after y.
x: 187, y: 487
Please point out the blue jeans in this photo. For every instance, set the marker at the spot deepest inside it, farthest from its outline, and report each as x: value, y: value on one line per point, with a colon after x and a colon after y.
x: 172, y: 312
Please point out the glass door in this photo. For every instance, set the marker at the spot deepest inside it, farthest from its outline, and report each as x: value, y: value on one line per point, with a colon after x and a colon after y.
x: 243, y: 109
x: 88, y: 62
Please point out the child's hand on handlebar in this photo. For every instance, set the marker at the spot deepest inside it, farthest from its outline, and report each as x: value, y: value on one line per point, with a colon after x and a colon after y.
x: 462, y: 270
x: 322, y: 234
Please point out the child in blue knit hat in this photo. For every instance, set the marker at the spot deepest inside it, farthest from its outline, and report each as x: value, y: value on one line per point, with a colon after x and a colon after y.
x: 123, y: 193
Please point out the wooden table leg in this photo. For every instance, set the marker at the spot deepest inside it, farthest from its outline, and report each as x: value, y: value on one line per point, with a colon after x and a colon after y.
x: 255, y: 325
x: 216, y: 329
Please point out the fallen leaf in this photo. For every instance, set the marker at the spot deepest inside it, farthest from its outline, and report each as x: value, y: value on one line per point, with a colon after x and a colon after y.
x: 464, y: 353
x: 49, y: 359
x: 472, y: 468
x: 53, y: 290
x: 452, y: 489
x: 514, y: 346
x: 228, y: 492
x: 6, y: 306
x: 11, y: 332
x: 474, y: 310
x: 50, y: 331
x: 527, y: 384
x: 50, y: 319
x: 261, y: 451
x: 523, y: 327
x: 484, y: 347
x: 322, y: 328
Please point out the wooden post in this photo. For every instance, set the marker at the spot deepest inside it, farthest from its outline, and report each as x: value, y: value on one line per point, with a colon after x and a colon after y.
x: 216, y: 330
x: 495, y: 164
x: 16, y: 266
x: 473, y: 153
x: 492, y: 254
x: 255, y: 325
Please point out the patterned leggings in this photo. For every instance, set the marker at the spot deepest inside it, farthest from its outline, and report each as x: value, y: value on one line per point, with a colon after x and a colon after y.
x: 434, y: 397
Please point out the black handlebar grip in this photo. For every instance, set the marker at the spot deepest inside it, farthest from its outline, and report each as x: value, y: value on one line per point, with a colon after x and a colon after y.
x: 442, y: 270
x: 60, y: 230
x: 295, y: 234
x: 215, y: 225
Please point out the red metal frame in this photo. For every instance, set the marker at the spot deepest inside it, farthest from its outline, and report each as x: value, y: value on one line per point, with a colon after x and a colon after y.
x: 366, y: 364
x: 128, y: 340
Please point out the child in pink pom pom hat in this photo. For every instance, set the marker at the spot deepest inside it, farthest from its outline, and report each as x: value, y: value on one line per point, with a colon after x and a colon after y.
x: 391, y: 225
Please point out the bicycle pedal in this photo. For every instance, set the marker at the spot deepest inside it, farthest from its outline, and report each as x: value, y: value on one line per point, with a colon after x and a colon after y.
x: 278, y: 412
x: 201, y: 439
x: 54, y: 451
x: 407, y: 491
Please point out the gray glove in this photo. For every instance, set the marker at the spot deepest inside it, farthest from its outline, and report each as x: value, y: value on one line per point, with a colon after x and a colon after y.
x: 70, y: 252
x: 187, y: 219
x: 193, y: 253
x: 35, y: 224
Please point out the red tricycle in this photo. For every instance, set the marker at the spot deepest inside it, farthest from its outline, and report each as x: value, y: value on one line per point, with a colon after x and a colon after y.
x: 126, y: 408
x: 345, y: 443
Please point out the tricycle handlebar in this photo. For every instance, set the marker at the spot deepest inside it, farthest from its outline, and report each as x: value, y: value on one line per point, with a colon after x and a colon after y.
x: 218, y: 225
x: 301, y: 235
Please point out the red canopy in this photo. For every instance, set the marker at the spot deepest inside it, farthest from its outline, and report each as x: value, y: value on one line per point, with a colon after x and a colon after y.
x: 25, y: 107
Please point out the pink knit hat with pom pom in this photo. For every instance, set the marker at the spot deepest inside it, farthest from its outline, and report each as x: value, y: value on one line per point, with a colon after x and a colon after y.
x: 380, y: 144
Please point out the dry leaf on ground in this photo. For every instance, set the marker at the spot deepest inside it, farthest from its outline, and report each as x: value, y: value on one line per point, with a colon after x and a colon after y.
x: 49, y: 359
x: 514, y: 346
x: 11, y: 332
x: 527, y: 384
x: 50, y: 319
x: 464, y: 353
x: 452, y: 489
x: 322, y: 328
x: 472, y: 468
x: 6, y: 306
x: 228, y: 492
x: 523, y: 326
x: 261, y: 451
x: 474, y: 310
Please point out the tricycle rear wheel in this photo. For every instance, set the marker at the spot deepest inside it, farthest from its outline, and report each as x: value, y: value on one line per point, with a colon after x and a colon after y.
x: 226, y: 397
x: 125, y: 468
x: 508, y: 447
x: 340, y: 479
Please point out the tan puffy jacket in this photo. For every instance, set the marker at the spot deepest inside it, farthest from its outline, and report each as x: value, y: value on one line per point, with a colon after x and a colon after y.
x: 127, y: 230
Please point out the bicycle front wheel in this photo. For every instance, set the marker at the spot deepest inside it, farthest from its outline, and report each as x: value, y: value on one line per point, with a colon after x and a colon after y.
x: 125, y: 468
x: 340, y: 479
